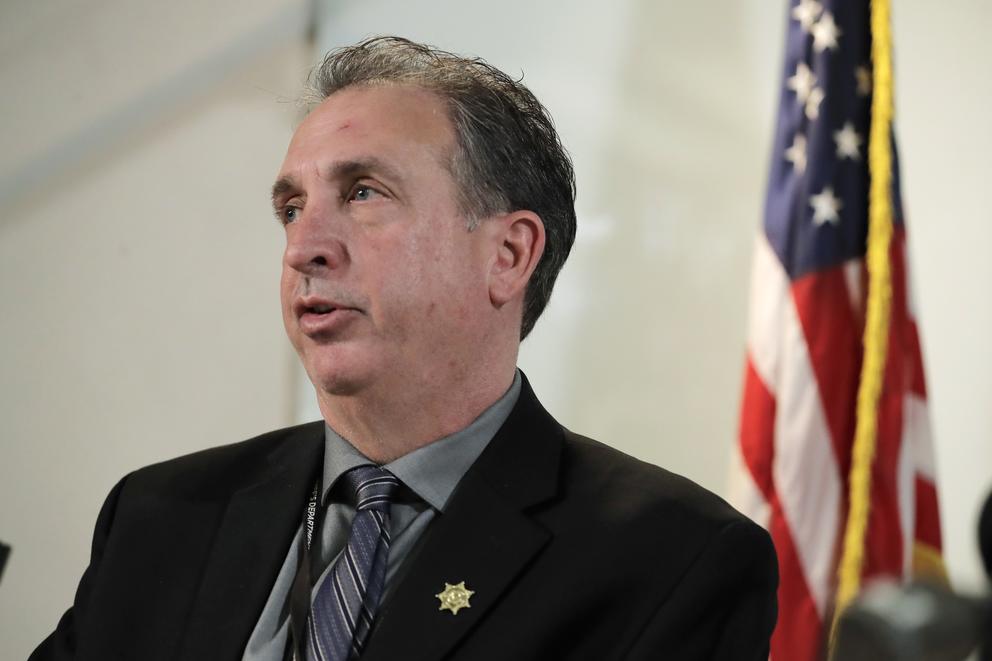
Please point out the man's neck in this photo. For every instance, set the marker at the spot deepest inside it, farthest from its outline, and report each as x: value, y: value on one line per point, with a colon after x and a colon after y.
x: 386, y: 426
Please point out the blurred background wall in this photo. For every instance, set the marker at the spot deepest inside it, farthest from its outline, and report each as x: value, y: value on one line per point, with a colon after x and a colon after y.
x: 139, y: 261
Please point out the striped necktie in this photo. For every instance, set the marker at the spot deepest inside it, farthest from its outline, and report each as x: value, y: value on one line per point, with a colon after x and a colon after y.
x: 342, y: 611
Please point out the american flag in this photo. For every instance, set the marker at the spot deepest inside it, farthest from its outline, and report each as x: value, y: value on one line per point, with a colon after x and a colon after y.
x: 804, y: 354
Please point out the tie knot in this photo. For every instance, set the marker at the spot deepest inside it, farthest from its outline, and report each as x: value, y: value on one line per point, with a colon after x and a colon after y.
x: 373, y: 487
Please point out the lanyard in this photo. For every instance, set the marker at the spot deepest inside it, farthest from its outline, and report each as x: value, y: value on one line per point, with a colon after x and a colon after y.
x: 299, y: 596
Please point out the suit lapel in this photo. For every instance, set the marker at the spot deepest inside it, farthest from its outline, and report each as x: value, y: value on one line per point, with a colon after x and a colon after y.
x: 483, y: 538
x: 249, y: 548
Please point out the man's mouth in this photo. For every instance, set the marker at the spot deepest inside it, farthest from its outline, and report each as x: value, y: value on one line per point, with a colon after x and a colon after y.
x: 312, y: 305
x: 323, y: 317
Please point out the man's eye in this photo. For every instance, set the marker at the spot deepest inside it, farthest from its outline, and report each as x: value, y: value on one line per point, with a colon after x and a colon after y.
x: 362, y: 193
x: 288, y: 215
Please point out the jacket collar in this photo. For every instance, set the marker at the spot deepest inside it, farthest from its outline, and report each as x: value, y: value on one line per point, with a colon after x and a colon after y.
x: 257, y: 525
x: 484, y: 538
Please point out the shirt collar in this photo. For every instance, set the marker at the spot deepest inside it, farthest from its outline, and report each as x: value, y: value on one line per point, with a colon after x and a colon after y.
x: 434, y: 470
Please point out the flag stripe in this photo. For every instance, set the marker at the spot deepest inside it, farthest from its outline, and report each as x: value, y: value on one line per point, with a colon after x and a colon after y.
x: 916, y: 428
x: 803, y: 439
x: 745, y: 493
x: 906, y: 477
x: 797, y: 633
x: 798, y: 415
x: 769, y: 304
x: 833, y: 340
x: 927, y: 517
x: 757, y: 431
x: 884, y: 539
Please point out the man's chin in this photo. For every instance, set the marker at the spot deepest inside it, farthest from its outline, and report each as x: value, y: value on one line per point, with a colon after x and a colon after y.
x: 340, y: 375
x: 338, y: 386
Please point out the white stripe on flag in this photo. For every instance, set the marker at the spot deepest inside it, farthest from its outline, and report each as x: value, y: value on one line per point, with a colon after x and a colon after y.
x: 906, y: 487
x: 769, y: 301
x: 744, y: 494
x: 810, y: 499
x: 916, y: 434
x: 853, y: 270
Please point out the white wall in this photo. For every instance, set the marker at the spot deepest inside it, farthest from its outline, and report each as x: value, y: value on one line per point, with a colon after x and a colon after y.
x: 943, y: 93
x: 139, y: 282
x: 138, y: 269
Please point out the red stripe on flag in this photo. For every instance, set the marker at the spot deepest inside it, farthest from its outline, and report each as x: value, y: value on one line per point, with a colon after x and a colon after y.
x: 927, y: 513
x: 884, y: 542
x: 797, y: 634
x: 907, y: 340
x: 914, y: 356
x: 834, y: 340
x: 757, y: 432
x: 798, y: 631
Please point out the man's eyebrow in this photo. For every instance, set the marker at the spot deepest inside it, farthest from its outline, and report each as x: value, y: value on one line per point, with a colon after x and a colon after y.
x: 337, y: 170
x: 359, y: 166
x: 282, y: 186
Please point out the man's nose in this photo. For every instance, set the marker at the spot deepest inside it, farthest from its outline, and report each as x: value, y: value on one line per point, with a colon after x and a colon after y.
x: 314, y: 243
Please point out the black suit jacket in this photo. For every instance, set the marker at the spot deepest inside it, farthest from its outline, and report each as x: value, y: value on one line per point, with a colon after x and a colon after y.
x: 574, y: 551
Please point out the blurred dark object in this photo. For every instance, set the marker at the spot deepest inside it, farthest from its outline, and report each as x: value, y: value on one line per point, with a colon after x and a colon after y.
x: 4, y: 554
x: 985, y: 544
x: 985, y: 535
x: 919, y: 621
x: 914, y: 622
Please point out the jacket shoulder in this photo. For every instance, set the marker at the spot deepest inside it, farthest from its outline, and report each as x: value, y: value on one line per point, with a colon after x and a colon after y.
x: 233, y: 465
x: 619, y: 491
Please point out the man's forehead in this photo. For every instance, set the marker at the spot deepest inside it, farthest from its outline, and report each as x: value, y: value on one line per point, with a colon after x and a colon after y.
x: 361, y: 127
x: 400, y: 107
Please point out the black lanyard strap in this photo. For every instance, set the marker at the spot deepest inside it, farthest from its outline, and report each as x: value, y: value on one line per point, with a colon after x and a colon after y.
x: 299, y: 597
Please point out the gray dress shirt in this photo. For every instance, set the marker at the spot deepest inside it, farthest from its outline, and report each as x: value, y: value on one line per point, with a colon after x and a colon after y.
x: 428, y: 476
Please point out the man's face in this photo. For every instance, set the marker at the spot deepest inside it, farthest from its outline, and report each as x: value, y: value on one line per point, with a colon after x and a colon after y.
x: 382, y: 285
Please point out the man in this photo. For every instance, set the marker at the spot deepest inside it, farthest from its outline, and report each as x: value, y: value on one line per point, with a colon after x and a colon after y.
x: 437, y: 511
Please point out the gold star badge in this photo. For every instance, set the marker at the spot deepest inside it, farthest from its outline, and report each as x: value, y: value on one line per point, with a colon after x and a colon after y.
x: 454, y: 597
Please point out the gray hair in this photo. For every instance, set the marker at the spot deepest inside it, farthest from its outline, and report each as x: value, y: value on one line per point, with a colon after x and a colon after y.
x: 509, y: 156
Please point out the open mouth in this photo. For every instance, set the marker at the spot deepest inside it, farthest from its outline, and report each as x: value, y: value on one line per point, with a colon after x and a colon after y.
x: 319, y: 318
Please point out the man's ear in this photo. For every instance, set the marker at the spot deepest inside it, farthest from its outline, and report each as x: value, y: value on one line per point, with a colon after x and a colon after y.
x: 519, y: 242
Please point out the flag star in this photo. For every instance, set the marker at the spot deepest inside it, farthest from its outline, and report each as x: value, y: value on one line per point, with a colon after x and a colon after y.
x: 863, y: 74
x: 796, y: 154
x: 813, y: 103
x: 802, y: 82
x: 825, y: 33
x: 826, y: 207
x: 848, y: 142
x: 806, y: 12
